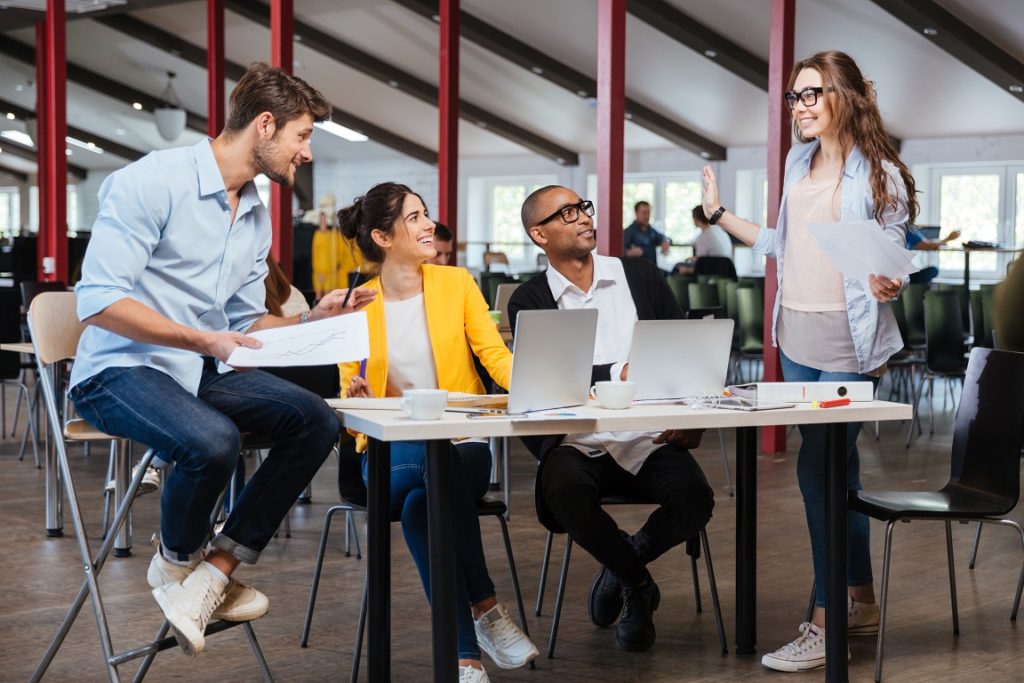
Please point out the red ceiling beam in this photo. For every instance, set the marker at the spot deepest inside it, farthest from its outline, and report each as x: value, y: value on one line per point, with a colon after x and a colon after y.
x: 54, y: 157
x: 282, y: 33
x: 448, y: 118
x: 780, y: 63
x: 611, y: 112
x: 215, y: 66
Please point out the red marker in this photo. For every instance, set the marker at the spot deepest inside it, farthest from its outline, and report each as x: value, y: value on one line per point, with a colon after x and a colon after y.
x: 834, y: 403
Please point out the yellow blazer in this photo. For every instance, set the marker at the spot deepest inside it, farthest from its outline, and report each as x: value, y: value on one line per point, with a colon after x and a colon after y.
x: 459, y: 326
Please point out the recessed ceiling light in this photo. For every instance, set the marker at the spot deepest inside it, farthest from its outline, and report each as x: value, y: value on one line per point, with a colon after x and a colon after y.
x: 1016, y: 89
x: 560, y: 160
x: 437, y: 18
x: 629, y: 116
x: 19, y: 87
x: 68, y: 152
x: 582, y: 93
x: 711, y: 54
x: 120, y: 131
x: 10, y: 115
x: 393, y: 84
x: 137, y: 106
x: 482, y: 124
x: 91, y: 146
x: 341, y: 131
x: 705, y: 155
x: 930, y: 31
x: 537, y: 70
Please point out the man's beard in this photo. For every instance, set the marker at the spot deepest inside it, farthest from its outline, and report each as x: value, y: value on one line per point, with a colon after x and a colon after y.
x: 262, y: 156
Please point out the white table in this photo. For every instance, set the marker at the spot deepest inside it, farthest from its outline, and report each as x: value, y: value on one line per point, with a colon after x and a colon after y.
x: 384, y: 426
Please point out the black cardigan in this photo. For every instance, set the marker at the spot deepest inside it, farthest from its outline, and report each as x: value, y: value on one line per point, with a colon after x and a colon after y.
x: 651, y: 296
x: 653, y: 300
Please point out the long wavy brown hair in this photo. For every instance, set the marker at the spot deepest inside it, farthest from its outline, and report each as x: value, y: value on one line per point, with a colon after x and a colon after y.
x: 851, y: 99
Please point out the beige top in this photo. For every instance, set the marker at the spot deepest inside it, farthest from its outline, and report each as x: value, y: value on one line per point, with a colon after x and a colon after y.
x: 810, y: 281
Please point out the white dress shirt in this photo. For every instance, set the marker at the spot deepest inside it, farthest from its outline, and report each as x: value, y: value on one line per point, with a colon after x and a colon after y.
x: 616, y: 314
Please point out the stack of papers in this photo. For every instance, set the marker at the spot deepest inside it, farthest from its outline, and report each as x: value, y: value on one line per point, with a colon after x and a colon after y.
x: 862, y: 248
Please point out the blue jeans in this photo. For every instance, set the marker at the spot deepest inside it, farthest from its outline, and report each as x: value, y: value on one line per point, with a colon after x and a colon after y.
x: 471, y: 474
x: 810, y: 473
x: 201, y: 435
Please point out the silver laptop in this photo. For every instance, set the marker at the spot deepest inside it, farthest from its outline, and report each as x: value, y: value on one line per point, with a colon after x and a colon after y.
x: 552, y: 362
x: 676, y: 359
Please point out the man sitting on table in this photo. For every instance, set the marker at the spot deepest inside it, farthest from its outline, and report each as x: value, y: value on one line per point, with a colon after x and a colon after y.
x: 578, y: 470
x: 172, y: 281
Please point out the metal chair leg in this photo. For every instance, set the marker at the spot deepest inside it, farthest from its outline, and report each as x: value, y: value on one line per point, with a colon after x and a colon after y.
x: 882, y: 608
x: 258, y: 653
x: 355, y: 537
x: 318, y: 569
x: 559, y: 597
x: 725, y: 462
x: 506, y: 477
x: 696, y: 584
x: 513, y: 574
x: 974, y: 548
x: 713, y: 586
x: 148, y: 661
x: 543, y: 574
x: 810, y: 602
x: 952, y: 577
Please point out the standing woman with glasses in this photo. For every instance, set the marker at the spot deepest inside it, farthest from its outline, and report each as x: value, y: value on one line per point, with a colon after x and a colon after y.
x: 828, y: 328
x: 427, y: 325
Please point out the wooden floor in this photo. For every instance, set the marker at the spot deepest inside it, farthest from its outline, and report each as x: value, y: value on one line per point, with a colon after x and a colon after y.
x: 42, y: 575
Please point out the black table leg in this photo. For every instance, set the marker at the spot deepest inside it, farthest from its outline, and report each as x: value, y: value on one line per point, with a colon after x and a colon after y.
x: 835, y: 553
x: 746, y: 540
x: 378, y: 563
x: 440, y: 521
x: 965, y: 303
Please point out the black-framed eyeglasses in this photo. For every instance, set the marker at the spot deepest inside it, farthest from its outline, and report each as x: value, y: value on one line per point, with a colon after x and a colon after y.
x: 808, y: 96
x: 571, y: 213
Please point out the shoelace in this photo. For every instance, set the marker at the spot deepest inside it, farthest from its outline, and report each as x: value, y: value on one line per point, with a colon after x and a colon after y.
x: 805, y: 642
x: 208, y: 602
x: 630, y: 598
x: 503, y: 632
x: 466, y: 674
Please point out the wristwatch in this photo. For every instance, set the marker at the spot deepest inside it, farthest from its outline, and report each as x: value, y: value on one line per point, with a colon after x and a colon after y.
x: 304, y: 317
x: 716, y: 215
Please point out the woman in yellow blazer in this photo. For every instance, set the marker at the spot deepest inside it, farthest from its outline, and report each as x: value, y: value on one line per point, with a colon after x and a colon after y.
x: 425, y: 327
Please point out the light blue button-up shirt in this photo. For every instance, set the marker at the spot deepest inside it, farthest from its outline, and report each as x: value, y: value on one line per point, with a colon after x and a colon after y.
x: 876, y: 336
x: 164, y: 238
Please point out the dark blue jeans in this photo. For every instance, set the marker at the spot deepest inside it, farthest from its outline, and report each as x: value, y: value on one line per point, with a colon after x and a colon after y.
x: 471, y: 473
x: 201, y: 435
x: 810, y: 474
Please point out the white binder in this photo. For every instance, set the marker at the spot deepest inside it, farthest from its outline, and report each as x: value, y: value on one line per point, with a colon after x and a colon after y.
x: 805, y: 392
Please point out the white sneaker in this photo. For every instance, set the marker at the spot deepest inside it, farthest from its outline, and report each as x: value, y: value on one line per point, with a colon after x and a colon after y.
x: 241, y: 602
x: 804, y: 653
x: 861, y: 618
x: 150, y: 481
x: 502, y: 640
x: 469, y: 674
x: 189, y: 604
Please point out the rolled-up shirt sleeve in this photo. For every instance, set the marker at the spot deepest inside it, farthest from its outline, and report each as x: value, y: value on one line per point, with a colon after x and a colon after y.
x: 249, y: 303
x: 132, y: 214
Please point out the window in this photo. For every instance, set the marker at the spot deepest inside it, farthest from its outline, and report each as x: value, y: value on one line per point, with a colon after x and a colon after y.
x: 970, y: 203
x: 680, y: 197
x: 494, y: 223
x: 1019, y: 209
x: 10, y: 210
x: 71, y: 211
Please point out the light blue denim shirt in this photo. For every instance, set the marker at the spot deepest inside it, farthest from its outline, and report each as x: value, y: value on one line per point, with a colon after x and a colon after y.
x: 164, y: 238
x: 876, y: 336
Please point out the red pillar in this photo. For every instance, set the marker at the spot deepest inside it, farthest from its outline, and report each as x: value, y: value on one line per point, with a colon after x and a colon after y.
x: 780, y: 63
x: 53, y: 155
x: 281, y: 56
x: 215, y: 66
x: 448, y: 119
x: 42, y: 236
x: 611, y: 112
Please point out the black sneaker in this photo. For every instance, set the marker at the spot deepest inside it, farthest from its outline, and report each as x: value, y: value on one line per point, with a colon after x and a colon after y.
x: 605, y: 602
x: 636, y: 628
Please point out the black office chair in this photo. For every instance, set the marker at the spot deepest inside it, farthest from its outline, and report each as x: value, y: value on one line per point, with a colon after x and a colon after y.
x: 693, y: 549
x: 353, y: 494
x: 721, y: 266
x: 984, y: 482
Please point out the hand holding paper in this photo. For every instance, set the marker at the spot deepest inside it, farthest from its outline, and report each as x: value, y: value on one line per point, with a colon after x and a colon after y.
x: 861, y: 249
x: 338, y: 339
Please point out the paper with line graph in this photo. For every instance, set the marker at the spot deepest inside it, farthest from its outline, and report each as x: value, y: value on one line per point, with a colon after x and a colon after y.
x: 340, y: 339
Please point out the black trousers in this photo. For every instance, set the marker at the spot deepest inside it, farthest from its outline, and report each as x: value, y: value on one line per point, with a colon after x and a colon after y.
x: 573, y: 485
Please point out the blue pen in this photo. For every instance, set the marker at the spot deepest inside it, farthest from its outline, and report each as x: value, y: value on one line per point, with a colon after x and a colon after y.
x: 362, y: 368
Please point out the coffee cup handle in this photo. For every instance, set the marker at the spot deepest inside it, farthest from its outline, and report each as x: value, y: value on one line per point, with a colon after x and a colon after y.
x: 405, y: 404
x: 593, y: 392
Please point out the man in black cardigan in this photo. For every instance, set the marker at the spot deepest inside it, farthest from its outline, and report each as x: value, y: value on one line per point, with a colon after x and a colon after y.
x: 577, y: 470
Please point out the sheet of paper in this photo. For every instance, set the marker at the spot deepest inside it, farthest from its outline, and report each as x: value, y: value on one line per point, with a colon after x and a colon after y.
x: 339, y: 339
x: 388, y: 403
x: 861, y: 248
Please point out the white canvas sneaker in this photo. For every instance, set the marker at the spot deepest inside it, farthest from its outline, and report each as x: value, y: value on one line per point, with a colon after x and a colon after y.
x: 804, y: 653
x: 241, y: 602
x: 189, y: 604
x: 861, y: 618
x: 502, y: 640
x: 469, y: 674
x: 150, y: 481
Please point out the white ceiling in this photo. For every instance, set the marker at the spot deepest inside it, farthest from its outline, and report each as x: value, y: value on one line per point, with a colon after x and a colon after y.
x: 923, y: 91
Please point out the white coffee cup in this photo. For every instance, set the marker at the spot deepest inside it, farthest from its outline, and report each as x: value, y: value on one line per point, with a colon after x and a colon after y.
x: 614, y: 395
x: 424, y: 404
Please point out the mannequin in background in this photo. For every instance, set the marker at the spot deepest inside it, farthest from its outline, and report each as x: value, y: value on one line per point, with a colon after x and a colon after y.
x: 334, y: 257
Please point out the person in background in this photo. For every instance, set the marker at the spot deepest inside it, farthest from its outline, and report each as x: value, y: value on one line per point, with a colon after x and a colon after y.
x: 283, y: 299
x: 578, y: 470
x: 640, y: 239
x: 827, y: 327
x: 711, y: 240
x: 1008, y: 310
x: 443, y: 245
x: 426, y: 325
x: 918, y: 242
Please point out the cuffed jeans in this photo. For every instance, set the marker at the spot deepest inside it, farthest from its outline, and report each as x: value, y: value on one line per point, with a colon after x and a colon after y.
x: 810, y: 473
x: 471, y: 474
x: 573, y: 485
x: 201, y: 435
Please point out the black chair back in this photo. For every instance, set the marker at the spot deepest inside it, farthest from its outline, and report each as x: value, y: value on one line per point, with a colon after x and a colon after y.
x: 987, y: 436
x: 709, y: 312
x: 322, y: 380
x: 10, y: 331
x: 31, y: 289
x: 944, y: 333
x: 721, y: 266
